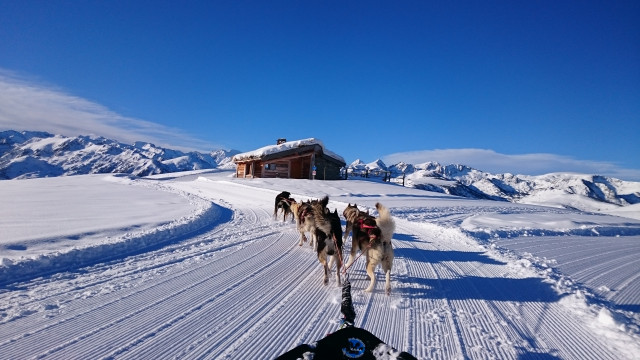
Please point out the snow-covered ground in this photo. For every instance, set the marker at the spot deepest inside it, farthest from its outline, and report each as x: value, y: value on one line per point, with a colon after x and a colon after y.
x: 193, y: 265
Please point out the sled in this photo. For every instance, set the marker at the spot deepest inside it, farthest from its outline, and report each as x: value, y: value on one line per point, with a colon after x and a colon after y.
x: 349, y: 342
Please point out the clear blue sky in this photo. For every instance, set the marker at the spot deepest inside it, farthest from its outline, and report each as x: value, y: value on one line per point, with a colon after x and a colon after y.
x: 501, y: 79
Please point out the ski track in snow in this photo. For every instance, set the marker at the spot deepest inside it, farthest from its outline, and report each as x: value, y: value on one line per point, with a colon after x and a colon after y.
x: 245, y: 290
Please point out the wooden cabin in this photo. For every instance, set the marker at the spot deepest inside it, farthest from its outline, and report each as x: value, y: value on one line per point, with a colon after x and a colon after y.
x: 301, y: 159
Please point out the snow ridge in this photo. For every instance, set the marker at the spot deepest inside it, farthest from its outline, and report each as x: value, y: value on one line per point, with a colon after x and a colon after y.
x: 205, y: 213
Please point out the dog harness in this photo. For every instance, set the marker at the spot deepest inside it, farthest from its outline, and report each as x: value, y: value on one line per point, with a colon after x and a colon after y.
x: 305, y: 211
x: 368, y: 228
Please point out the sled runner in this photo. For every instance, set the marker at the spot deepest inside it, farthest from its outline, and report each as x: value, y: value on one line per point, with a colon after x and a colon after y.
x: 349, y: 342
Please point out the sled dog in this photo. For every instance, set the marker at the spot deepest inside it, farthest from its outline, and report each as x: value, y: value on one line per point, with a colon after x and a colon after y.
x: 350, y: 214
x: 284, y: 202
x: 305, y: 221
x: 372, y: 236
x: 328, y: 237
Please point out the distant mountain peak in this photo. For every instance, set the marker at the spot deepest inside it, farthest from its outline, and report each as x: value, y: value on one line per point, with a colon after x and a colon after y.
x: 31, y: 154
x: 378, y: 164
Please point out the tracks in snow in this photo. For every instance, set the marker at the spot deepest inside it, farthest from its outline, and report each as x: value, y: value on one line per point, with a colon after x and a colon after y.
x: 245, y: 289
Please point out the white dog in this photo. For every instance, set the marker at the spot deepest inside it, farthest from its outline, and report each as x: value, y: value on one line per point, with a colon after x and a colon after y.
x: 373, y: 237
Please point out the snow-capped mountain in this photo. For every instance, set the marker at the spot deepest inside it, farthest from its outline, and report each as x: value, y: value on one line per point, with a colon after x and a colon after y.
x: 565, y: 190
x: 358, y: 167
x: 31, y: 154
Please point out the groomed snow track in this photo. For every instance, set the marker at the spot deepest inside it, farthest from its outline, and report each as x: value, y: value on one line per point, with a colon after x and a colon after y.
x: 246, y: 290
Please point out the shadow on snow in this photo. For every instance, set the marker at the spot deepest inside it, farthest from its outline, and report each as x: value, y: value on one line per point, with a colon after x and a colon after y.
x: 469, y: 287
x: 406, y: 237
x: 476, y: 287
x: 438, y: 256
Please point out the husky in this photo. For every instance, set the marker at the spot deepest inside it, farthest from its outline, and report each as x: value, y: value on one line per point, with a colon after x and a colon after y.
x: 284, y: 202
x: 305, y: 220
x: 372, y: 236
x: 328, y: 237
x: 350, y: 214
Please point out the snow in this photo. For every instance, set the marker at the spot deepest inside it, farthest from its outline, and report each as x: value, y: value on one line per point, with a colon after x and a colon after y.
x: 193, y: 265
x: 274, y: 149
x: 630, y: 211
x: 48, y: 211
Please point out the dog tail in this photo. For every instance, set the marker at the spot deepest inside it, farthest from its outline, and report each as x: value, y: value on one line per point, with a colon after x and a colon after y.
x: 385, y: 222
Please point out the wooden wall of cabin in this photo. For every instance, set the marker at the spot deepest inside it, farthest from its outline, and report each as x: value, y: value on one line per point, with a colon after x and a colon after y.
x: 249, y: 169
x: 272, y: 169
x: 327, y: 170
x: 240, y: 170
x: 301, y: 167
x: 296, y: 168
x: 257, y: 169
x: 293, y: 167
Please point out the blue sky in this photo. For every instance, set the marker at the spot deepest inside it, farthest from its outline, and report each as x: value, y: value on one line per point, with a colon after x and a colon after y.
x: 502, y: 86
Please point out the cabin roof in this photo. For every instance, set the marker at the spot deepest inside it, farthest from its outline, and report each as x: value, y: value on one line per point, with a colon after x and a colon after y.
x: 272, y: 151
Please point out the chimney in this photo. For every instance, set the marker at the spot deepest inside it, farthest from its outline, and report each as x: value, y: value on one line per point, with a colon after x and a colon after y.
x: 281, y: 140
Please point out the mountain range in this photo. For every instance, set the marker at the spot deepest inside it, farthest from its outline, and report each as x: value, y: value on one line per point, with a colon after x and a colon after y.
x: 29, y: 154
x: 584, y: 192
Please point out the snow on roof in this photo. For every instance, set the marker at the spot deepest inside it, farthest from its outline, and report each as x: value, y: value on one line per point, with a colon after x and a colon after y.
x: 289, y: 145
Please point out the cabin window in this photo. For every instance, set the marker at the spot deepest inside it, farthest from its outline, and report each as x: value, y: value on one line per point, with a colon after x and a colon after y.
x: 270, y: 166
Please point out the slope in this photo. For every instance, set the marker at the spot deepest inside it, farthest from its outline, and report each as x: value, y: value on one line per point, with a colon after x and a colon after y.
x: 242, y: 288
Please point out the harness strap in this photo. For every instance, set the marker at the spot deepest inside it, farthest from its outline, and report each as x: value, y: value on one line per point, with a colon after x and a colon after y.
x: 338, y: 249
x: 304, y: 213
x: 364, y: 226
x: 344, y: 270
